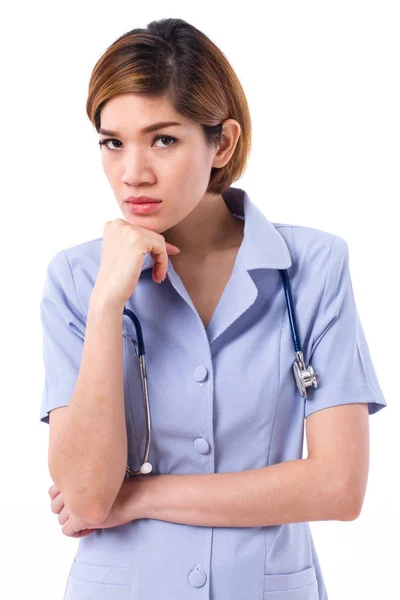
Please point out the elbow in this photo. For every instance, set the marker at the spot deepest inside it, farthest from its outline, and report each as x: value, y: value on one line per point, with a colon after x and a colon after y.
x: 94, y: 516
x: 93, y: 510
x: 352, y: 515
x: 87, y: 502
x: 90, y: 512
x: 350, y: 502
x: 355, y: 510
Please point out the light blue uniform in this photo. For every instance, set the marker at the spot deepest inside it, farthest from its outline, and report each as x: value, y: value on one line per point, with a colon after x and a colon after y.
x: 222, y: 399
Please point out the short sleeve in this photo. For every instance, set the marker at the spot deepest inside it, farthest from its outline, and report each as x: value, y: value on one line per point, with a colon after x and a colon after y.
x: 339, y: 352
x: 63, y: 324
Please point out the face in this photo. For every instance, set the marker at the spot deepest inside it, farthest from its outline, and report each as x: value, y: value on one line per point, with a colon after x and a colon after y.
x: 170, y: 163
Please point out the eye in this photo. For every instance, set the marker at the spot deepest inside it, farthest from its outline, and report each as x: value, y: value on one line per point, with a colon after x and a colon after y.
x: 169, y: 138
x: 165, y: 137
x: 105, y: 142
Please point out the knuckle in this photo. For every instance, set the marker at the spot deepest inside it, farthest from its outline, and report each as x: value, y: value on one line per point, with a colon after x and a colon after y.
x: 135, y: 238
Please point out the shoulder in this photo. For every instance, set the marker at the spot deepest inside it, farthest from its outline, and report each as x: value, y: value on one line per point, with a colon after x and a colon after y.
x: 85, y: 255
x: 312, y: 248
x: 76, y: 268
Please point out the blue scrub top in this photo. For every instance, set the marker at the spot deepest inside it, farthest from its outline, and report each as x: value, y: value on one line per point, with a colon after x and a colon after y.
x: 222, y: 399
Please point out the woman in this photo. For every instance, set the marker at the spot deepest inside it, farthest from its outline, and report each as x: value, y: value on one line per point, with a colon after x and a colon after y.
x: 227, y: 505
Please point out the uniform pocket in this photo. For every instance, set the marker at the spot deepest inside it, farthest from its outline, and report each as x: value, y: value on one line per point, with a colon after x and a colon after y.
x: 300, y: 585
x: 94, y: 582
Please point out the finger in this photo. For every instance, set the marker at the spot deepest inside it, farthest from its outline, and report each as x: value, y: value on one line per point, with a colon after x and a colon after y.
x: 63, y: 516
x: 171, y: 248
x: 53, y: 491
x: 160, y: 257
x: 57, y: 504
x: 68, y: 529
x: 160, y: 265
x: 84, y: 532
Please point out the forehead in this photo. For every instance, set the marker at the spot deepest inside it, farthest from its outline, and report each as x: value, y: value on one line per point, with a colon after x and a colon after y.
x: 133, y: 113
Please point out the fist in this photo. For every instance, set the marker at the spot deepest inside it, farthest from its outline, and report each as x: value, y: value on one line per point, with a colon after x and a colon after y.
x: 72, y: 525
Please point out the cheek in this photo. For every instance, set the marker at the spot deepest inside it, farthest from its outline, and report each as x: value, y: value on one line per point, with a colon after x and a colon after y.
x: 190, y: 169
x: 110, y: 168
x: 105, y: 163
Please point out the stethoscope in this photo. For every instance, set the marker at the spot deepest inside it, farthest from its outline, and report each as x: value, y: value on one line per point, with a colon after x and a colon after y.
x: 304, y: 376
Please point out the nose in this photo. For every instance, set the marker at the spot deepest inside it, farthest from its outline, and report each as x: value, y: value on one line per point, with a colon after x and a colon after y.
x: 137, y: 169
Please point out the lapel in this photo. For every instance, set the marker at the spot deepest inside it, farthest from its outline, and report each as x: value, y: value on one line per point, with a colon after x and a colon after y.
x: 262, y: 247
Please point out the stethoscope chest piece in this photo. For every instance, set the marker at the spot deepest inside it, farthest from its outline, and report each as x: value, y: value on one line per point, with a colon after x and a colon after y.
x: 304, y: 376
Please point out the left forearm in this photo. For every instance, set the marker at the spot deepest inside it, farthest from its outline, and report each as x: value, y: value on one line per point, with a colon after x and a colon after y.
x: 288, y: 492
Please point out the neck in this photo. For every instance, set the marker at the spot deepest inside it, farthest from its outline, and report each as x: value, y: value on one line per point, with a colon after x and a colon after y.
x: 210, y: 226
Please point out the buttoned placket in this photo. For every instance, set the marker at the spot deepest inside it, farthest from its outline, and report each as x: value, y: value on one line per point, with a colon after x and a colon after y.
x: 241, y: 287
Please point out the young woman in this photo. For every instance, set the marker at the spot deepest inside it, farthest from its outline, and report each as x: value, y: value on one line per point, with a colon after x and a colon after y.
x: 223, y: 499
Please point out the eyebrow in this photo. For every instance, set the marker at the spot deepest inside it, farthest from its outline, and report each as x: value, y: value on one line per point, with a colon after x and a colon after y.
x: 147, y: 129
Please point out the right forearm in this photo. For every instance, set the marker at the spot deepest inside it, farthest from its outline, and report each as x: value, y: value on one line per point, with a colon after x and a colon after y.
x: 89, y: 457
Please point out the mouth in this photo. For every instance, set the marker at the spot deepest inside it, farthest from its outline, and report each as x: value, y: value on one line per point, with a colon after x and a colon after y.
x: 142, y: 200
x: 143, y: 208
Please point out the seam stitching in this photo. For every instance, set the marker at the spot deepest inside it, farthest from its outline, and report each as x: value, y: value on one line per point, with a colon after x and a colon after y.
x: 73, y: 280
x: 326, y: 281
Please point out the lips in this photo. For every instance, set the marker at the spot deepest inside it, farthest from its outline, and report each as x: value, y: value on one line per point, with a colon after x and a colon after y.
x: 143, y: 208
x: 141, y: 200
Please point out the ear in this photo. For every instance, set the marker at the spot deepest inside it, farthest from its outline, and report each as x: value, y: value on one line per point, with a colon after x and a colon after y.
x: 229, y: 137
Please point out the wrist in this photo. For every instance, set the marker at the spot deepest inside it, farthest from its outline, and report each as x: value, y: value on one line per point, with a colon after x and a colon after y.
x: 142, y: 499
x: 100, y: 301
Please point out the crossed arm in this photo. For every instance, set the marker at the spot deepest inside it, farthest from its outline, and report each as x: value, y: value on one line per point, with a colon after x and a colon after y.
x: 329, y: 484
x: 288, y: 492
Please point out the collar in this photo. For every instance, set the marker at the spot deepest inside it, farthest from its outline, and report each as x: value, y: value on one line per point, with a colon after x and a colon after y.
x: 263, y: 247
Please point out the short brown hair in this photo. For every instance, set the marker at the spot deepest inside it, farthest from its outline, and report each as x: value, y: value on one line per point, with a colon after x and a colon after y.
x: 174, y: 59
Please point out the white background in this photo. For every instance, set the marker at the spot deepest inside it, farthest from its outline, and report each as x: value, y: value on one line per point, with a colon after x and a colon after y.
x: 322, y: 82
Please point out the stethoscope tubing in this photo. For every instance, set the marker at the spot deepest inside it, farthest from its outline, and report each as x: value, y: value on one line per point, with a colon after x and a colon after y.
x: 304, y: 376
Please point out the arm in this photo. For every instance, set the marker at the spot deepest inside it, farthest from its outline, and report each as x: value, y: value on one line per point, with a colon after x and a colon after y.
x: 288, y: 492
x: 327, y: 485
x: 88, y: 443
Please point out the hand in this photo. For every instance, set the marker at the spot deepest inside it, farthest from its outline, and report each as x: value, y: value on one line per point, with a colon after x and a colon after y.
x: 72, y: 525
x: 124, y: 247
x: 126, y: 508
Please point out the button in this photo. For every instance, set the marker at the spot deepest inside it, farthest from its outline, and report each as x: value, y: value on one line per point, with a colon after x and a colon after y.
x: 197, y: 577
x: 201, y: 445
x: 200, y: 373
